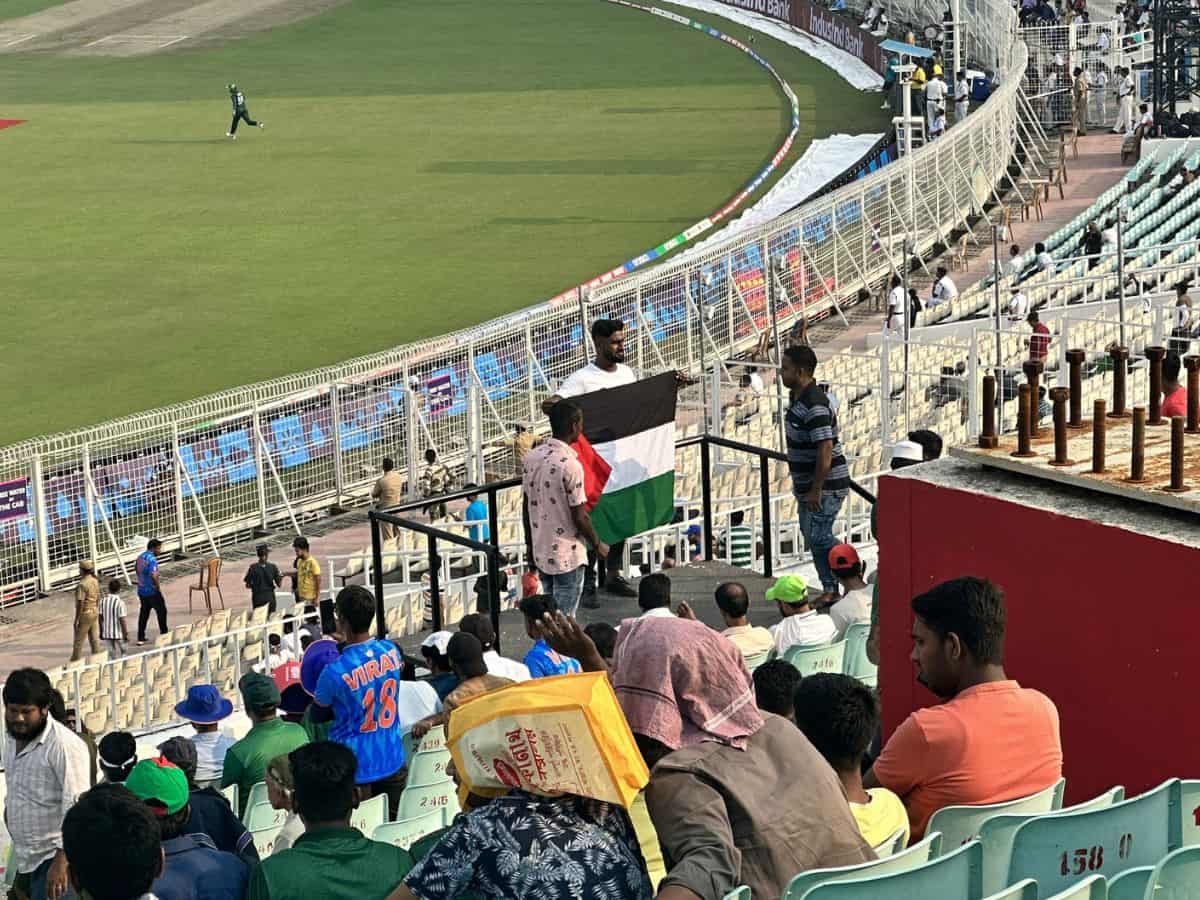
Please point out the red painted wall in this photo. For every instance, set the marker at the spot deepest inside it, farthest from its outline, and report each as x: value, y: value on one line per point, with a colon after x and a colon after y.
x: 1101, y: 620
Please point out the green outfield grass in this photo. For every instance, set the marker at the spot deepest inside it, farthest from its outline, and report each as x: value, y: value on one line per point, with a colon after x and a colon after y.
x: 425, y: 166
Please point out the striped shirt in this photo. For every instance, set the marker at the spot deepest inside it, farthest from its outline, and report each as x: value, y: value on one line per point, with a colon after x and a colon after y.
x: 810, y: 421
x: 740, y: 547
x: 112, y: 611
x: 43, y: 779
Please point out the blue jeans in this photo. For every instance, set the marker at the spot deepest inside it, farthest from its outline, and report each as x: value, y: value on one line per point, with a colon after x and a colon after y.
x: 565, y: 588
x: 37, y: 882
x: 817, y: 528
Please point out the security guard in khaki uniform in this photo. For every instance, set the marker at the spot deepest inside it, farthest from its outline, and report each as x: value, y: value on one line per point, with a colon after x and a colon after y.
x: 388, y: 491
x: 87, y: 610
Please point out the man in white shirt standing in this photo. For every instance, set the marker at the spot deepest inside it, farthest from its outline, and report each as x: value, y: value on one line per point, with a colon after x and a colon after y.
x: 944, y: 289
x: 1124, y: 103
x: 962, y: 96
x: 1018, y: 305
x: 935, y: 95
x: 895, y: 307
x: 607, y: 371
x: 46, y: 768
x: 802, y: 626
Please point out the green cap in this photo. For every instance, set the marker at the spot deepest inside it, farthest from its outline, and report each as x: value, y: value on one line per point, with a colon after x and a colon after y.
x: 790, y: 589
x: 258, y: 691
x: 159, y: 784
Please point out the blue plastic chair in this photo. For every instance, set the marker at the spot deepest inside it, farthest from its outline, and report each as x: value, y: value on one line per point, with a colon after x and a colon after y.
x: 1130, y: 884
x: 997, y: 833
x: 1093, y: 888
x: 957, y: 875
x: 370, y: 814
x: 1022, y: 890
x: 959, y: 824
x: 916, y: 855
x: 1059, y: 851
x: 1189, y: 808
x: 1176, y: 877
x: 855, y: 662
x: 403, y: 833
x: 810, y: 661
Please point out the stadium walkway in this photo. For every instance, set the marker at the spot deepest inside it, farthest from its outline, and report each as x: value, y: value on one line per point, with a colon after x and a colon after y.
x: 40, y: 633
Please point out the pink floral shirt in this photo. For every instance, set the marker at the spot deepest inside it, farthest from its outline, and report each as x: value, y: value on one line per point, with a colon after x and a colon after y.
x: 553, y: 483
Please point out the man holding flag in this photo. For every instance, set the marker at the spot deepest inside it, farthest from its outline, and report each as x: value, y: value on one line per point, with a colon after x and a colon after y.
x: 608, y: 371
x: 558, y: 529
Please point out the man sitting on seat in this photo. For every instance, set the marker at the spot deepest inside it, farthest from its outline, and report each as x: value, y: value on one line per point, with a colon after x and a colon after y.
x: 991, y: 740
x: 854, y: 606
x: 840, y: 715
x: 802, y: 626
x: 734, y: 603
x: 775, y: 684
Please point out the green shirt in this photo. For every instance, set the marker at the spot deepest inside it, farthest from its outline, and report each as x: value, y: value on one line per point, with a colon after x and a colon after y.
x: 316, y: 731
x: 343, y: 863
x: 246, y: 761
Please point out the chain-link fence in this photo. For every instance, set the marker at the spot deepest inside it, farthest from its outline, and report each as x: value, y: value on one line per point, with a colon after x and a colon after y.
x: 208, y: 473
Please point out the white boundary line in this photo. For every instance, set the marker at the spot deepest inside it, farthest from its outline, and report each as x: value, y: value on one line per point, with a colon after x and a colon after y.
x: 20, y: 40
x: 146, y: 38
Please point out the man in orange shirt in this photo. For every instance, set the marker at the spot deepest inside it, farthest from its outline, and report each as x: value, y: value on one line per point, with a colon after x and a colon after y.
x: 1174, y: 394
x: 991, y: 740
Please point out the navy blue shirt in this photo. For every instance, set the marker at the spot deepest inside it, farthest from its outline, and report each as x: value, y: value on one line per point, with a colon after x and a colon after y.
x: 196, y: 870
x: 212, y: 816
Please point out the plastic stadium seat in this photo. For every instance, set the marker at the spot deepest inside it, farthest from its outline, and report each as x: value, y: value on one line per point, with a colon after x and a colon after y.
x: 959, y: 824
x: 1022, y: 890
x: 258, y: 794
x: 370, y: 814
x: 1093, y: 888
x: 428, y: 767
x: 231, y: 796
x: 1061, y: 850
x: 738, y: 893
x: 817, y: 659
x: 263, y: 815
x: 855, y: 662
x: 1189, y: 809
x: 957, y: 875
x: 916, y: 855
x: 996, y: 834
x: 1130, y: 884
x: 406, y: 832
x: 892, y: 845
x: 264, y: 839
x: 1176, y: 877
x: 417, y: 800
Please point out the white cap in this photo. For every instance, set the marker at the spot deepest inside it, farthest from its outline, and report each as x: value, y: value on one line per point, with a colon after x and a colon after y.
x: 908, y: 450
x: 439, y: 640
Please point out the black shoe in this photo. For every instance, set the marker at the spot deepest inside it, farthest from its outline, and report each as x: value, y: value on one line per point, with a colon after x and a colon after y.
x: 590, y: 599
x: 618, y: 585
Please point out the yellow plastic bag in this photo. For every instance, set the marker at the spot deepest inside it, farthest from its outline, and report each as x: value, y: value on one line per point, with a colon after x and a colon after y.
x: 560, y: 735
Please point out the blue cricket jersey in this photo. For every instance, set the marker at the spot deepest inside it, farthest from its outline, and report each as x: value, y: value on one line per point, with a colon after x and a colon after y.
x: 361, y: 687
x: 542, y: 661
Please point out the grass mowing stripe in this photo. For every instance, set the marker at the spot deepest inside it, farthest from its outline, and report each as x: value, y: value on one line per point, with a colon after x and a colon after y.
x: 424, y: 167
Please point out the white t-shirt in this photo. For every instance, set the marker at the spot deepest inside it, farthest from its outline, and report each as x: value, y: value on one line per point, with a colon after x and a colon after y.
x: 504, y: 667
x: 810, y: 629
x: 1147, y: 119
x: 1018, y: 306
x: 944, y: 291
x: 756, y: 383
x: 1016, y: 266
x: 853, y: 608
x: 1126, y: 89
x: 896, y: 300
x: 414, y: 701
x: 935, y: 90
x: 962, y: 91
x: 1102, y: 40
x: 1045, y: 261
x: 593, y: 378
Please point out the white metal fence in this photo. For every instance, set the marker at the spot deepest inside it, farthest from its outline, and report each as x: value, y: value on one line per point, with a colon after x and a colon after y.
x: 209, y: 472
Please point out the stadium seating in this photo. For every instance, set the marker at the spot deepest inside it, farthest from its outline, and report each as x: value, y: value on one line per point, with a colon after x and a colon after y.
x: 370, y: 814
x: 419, y: 799
x: 1022, y: 890
x: 960, y: 824
x: 404, y: 833
x: 917, y: 855
x: 956, y: 874
x: 1093, y: 888
x: 855, y: 661
x: 1177, y: 876
x: 1130, y: 884
x: 810, y: 661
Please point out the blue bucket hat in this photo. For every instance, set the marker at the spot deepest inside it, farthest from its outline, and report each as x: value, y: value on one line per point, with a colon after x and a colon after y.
x: 204, y: 704
x: 318, y: 655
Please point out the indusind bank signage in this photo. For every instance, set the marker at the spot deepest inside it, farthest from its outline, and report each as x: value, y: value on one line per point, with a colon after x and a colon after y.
x: 840, y: 31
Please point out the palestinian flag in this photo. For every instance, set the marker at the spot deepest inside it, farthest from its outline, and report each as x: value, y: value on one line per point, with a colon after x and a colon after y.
x: 628, y: 456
